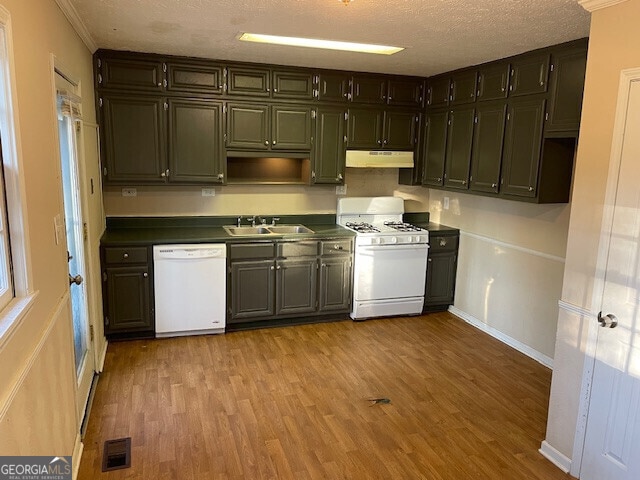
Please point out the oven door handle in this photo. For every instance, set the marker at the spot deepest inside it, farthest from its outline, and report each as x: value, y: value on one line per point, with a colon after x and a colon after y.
x: 394, y: 246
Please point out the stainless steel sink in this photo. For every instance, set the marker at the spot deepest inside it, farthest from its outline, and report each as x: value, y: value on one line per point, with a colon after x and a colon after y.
x: 285, y: 229
x: 266, y: 230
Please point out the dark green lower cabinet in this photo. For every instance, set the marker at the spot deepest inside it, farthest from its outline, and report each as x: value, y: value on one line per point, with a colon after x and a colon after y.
x: 441, y: 271
x: 459, y: 141
x: 252, y: 285
x: 296, y: 285
x: 335, y: 284
x: 486, y: 154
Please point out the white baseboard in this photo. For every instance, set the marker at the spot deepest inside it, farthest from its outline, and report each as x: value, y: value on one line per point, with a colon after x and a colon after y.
x: 554, y: 456
x: 512, y: 342
x: 77, y: 456
x: 102, y: 357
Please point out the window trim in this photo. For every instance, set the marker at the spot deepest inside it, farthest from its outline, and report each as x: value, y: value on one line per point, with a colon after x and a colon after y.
x: 24, y: 295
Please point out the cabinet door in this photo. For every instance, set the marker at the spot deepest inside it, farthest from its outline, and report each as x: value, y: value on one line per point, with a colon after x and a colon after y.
x: 529, y: 75
x: 405, y: 92
x: 247, y: 126
x: 298, y: 85
x: 131, y: 74
x: 400, y: 130
x: 296, y: 285
x: 369, y: 89
x: 133, y: 139
x: 435, y: 148
x: 438, y: 92
x: 196, y: 152
x: 463, y: 88
x: 252, y: 289
x: 493, y: 82
x: 291, y: 128
x: 365, y: 127
x: 486, y: 154
x: 194, y: 78
x: 244, y: 81
x: 459, y: 141
x: 523, y: 138
x: 330, y: 146
x: 335, y: 284
x: 565, y: 105
x: 333, y: 87
x: 441, y: 279
x: 128, y: 299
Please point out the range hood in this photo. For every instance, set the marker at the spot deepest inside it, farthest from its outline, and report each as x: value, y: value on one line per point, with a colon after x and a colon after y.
x: 379, y: 159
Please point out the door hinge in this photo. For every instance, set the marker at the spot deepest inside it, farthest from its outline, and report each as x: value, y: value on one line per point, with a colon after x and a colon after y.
x: 99, y: 78
x: 546, y: 116
x: 229, y: 269
x: 100, y: 102
x: 99, y: 63
x: 508, y: 117
x: 551, y: 68
x: 85, y: 232
x: 106, y: 321
x: 224, y: 108
x: 475, y: 119
x: 91, y: 332
x: 104, y: 276
x: 164, y: 67
x: 313, y: 114
x: 346, y: 115
x: 104, y: 171
x: 166, y: 106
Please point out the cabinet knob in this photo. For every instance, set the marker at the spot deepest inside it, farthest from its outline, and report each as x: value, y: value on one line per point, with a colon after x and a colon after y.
x: 275, y: 90
x: 429, y: 260
x: 531, y: 189
x: 494, y: 185
x: 266, y: 142
x: 272, y: 267
x: 339, y: 176
x: 338, y: 247
x: 145, y: 274
x: 125, y: 255
x: 379, y: 142
x: 220, y: 176
x: 464, y: 182
x: 541, y: 84
x: 278, y: 267
x: 274, y: 142
x: 439, y: 179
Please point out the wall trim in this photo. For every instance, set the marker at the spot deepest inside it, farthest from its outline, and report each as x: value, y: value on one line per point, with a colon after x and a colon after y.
x: 495, y: 333
x: 554, y: 456
x: 6, y: 402
x: 570, y: 307
x: 78, y: 25
x: 78, y: 448
x: 591, y: 5
x: 530, y: 251
x: 102, y: 357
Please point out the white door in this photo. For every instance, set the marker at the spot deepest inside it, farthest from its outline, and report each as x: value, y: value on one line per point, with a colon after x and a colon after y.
x: 612, y: 443
x: 69, y: 132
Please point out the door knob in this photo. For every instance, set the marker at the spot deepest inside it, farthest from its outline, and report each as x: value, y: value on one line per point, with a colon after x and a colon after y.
x: 77, y: 279
x: 608, y: 321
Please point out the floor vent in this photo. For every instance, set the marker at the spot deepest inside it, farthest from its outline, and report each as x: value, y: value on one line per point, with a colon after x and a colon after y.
x: 116, y: 454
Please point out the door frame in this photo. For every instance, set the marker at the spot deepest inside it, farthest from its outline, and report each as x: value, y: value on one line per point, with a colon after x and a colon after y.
x: 627, y: 76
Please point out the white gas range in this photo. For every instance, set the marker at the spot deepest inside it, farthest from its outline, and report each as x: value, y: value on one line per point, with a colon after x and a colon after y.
x: 390, y: 263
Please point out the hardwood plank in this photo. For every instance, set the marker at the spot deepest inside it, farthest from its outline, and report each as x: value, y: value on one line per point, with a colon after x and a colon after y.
x: 292, y: 402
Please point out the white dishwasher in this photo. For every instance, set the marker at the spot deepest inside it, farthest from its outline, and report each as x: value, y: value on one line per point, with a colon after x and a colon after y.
x: 190, y: 289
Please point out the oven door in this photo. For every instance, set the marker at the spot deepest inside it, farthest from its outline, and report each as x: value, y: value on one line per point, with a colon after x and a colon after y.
x: 389, y: 271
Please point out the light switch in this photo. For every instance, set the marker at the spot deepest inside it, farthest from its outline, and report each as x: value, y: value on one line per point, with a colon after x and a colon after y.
x: 341, y: 189
x: 445, y: 203
x: 129, y: 192
x: 208, y: 192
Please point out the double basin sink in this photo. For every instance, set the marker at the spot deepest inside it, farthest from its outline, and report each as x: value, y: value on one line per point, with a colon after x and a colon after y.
x: 267, y: 230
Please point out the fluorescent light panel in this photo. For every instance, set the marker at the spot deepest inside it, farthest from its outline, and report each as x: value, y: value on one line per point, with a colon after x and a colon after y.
x: 316, y: 43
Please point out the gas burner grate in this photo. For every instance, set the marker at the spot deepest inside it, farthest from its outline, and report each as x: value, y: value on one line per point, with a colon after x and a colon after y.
x: 403, y: 227
x: 362, y: 227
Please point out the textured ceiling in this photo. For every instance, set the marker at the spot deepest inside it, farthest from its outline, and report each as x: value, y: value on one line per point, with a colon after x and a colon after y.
x: 439, y: 35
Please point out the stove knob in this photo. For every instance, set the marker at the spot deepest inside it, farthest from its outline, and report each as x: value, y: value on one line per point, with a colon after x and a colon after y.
x: 393, y: 240
x: 410, y: 239
x: 379, y: 240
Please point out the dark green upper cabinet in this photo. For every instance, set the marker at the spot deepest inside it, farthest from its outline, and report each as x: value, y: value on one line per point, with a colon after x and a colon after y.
x: 369, y: 89
x: 463, y: 88
x: 248, y: 81
x: 330, y: 146
x: 435, y: 147
x: 133, y: 139
x: 459, y: 141
x: 493, y: 81
x: 131, y: 74
x: 365, y: 128
x: 567, y: 79
x: 400, y: 130
x: 290, y: 127
x: 405, y: 92
x: 438, y: 91
x: 195, y: 78
x: 292, y: 85
x: 523, y: 137
x: 196, y: 149
x: 248, y: 127
x: 486, y: 153
x: 333, y: 87
x: 529, y: 75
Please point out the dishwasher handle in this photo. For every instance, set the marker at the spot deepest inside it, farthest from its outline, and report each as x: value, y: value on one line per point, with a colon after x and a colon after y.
x: 189, y: 252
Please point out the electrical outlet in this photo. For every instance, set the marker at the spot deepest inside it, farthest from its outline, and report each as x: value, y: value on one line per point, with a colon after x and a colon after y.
x: 129, y: 192
x: 445, y: 203
x: 341, y: 189
x: 208, y: 192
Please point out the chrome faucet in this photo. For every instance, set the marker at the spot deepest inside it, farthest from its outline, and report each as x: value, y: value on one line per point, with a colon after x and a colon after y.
x: 239, y: 219
x: 252, y: 220
x: 274, y: 220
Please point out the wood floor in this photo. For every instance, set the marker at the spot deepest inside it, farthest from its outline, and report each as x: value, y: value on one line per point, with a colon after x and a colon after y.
x: 292, y: 403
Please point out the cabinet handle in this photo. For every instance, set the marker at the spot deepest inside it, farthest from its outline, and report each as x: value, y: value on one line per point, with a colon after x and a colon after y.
x: 125, y: 255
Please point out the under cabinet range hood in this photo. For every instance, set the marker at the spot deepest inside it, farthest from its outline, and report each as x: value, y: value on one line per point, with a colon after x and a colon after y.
x: 379, y: 159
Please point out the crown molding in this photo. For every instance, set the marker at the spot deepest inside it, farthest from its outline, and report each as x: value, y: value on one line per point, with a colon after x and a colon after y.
x: 591, y: 5
x: 76, y: 22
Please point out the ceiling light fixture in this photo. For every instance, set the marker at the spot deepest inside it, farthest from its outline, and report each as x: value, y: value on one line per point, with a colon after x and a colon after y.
x: 346, y: 2
x: 316, y: 43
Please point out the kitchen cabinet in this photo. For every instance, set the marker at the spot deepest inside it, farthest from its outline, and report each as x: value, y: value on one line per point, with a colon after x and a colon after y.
x: 336, y: 267
x: 458, y: 151
x: 296, y: 285
x: 382, y: 129
x: 522, y: 143
x: 438, y: 91
x: 407, y: 92
x: 248, y: 81
x: 435, y: 147
x: 265, y: 127
x: 333, y: 87
x: 486, y: 152
x: 133, y: 139
x: 127, y: 292
x: 288, y: 84
x: 442, y: 264
x: 330, y: 146
x: 369, y: 89
x: 136, y: 73
x: 529, y: 75
x: 252, y: 285
x: 463, y: 88
x: 195, y: 78
x: 493, y: 81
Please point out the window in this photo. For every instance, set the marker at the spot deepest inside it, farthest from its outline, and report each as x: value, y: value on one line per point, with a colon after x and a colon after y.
x: 16, y: 294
